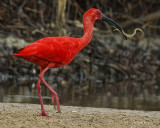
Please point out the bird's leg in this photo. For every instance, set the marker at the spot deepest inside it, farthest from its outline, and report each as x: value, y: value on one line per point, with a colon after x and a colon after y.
x: 54, y: 102
x: 54, y: 94
x: 43, y: 113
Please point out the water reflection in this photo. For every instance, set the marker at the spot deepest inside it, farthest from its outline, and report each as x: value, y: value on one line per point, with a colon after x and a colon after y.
x: 123, y: 95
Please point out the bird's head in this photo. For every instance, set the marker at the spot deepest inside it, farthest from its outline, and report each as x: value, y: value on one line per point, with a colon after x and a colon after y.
x: 96, y: 14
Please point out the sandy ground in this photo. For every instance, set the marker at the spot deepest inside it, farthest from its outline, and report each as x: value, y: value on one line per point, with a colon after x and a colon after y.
x: 13, y: 115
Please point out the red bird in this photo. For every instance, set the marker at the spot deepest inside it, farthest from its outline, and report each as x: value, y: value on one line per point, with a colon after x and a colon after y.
x: 55, y: 52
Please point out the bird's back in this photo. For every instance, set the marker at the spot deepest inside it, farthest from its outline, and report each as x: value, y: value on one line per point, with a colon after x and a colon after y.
x: 60, y: 50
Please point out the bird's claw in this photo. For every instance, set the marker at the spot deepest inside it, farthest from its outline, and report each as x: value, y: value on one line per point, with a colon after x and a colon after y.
x: 43, y: 114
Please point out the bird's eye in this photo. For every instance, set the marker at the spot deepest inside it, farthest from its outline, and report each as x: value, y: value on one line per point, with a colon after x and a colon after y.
x: 99, y: 13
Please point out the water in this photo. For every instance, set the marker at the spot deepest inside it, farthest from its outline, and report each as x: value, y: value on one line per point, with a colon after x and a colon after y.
x: 134, y: 95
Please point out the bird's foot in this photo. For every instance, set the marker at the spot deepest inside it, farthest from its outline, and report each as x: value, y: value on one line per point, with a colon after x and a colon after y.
x: 43, y: 113
x: 55, y: 101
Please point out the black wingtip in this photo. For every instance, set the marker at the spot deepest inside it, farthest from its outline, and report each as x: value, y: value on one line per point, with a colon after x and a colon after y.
x: 19, y: 50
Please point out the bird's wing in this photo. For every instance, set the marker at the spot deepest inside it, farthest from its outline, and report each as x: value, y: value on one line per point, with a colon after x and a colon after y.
x: 51, y: 49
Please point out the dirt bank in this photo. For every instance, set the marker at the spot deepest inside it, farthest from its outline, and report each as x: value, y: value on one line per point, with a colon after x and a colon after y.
x: 15, y: 115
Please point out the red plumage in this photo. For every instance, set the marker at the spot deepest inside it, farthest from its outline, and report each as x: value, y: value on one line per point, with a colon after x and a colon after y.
x: 60, y: 50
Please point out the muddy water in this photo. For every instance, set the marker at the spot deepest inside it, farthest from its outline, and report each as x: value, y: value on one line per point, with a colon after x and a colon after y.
x: 123, y: 95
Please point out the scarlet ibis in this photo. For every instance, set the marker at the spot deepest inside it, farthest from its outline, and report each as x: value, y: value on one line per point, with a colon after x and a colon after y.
x: 55, y: 52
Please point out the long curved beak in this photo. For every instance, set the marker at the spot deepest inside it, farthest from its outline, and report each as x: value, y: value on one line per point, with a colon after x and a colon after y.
x: 112, y: 22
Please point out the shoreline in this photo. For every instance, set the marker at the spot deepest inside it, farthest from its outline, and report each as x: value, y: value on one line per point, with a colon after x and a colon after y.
x: 26, y: 115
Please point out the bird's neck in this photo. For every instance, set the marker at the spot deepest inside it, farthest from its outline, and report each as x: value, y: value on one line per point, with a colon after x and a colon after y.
x: 88, y: 30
